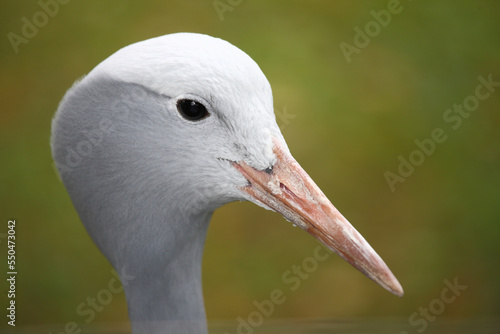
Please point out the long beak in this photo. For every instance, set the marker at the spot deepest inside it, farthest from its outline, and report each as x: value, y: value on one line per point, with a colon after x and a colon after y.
x: 287, y: 189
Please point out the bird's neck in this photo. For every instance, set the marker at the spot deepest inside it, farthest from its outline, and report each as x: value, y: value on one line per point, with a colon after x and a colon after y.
x: 165, y: 295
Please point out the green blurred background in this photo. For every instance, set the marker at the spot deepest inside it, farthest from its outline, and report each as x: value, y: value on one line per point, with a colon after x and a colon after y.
x: 349, y: 123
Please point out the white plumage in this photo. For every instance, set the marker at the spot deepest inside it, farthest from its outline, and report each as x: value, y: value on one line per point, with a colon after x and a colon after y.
x: 157, y: 137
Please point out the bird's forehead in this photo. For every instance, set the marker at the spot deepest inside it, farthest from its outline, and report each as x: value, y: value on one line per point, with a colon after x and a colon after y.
x: 213, y: 69
x: 184, y: 63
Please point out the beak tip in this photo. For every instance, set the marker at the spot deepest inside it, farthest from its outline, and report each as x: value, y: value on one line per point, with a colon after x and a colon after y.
x: 287, y: 189
x: 394, y: 287
x: 400, y: 292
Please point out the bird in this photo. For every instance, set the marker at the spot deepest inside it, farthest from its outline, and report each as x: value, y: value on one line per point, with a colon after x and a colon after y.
x: 158, y: 136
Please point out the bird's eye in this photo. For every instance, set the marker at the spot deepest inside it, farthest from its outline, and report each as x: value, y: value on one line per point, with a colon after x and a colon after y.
x: 192, y: 110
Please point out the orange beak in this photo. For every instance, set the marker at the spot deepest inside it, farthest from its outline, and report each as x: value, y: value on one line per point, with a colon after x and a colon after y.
x: 288, y: 189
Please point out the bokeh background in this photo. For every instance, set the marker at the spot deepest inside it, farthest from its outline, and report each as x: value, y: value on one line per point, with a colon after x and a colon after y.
x: 347, y: 125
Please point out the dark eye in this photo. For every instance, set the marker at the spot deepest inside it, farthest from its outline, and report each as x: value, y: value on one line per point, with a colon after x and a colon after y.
x: 192, y: 110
